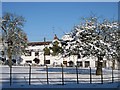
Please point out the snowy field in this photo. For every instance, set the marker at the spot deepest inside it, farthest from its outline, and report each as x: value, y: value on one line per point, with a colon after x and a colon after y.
x: 20, y: 77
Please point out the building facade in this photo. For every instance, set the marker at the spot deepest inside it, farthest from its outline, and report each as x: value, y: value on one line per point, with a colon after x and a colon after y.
x: 35, y: 55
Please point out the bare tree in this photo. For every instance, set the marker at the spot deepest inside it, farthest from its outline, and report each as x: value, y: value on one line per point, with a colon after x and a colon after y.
x: 14, y: 40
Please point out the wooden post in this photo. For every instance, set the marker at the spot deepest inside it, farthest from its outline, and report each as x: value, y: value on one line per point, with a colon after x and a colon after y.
x: 30, y: 75
x: 44, y: 52
x: 62, y: 76
x: 77, y: 74
x: 101, y: 76
x: 90, y: 76
x: 10, y: 76
x: 112, y: 76
x: 47, y: 74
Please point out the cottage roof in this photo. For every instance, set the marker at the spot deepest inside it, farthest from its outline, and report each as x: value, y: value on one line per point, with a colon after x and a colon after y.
x: 39, y: 43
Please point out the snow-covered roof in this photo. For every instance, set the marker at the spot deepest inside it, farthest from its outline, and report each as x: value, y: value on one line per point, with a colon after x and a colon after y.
x: 55, y: 40
x: 67, y: 37
x: 35, y: 48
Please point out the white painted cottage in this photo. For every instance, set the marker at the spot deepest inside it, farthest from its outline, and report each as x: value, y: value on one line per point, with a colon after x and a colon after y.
x: 35, y: 55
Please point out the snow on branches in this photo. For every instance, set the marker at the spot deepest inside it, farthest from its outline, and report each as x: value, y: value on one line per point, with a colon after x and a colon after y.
x: 93, y: 38
x: 14, y: 40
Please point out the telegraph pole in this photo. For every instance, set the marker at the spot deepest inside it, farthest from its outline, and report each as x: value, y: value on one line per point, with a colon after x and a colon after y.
x: 44, y: 51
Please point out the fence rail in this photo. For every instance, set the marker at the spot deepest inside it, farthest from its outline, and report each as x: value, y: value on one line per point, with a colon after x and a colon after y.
x: 61, y: 79
x: 59, y: 73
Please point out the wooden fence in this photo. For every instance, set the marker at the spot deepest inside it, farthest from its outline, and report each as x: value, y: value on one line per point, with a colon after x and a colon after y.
x: 62, y: 79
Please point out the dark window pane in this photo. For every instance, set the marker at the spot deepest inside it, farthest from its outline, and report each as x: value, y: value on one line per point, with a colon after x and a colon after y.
x: 28, y: 61
x: 36, y: 53
x: 78, y: 55
x: 47, y: 61
x: 87, y: 63
x: 79, y: 63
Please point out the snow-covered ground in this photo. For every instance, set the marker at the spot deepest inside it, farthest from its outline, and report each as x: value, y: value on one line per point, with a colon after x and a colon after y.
x: 70, y: 85
x: 55, y: 78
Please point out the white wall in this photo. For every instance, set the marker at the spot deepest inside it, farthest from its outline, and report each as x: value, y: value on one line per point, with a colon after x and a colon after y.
x: 59, y: 59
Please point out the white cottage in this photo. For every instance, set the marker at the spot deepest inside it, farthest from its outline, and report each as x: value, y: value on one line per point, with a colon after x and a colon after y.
x: 35, y: 55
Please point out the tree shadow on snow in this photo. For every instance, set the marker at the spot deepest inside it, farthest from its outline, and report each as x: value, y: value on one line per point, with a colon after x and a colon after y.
x: 72, y: 70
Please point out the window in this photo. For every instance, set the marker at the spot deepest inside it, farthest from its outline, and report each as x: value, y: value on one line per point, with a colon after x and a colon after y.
x: 79, y: 63
x: 28, y: 61
x: 101, y: 63
x: 14, y: 61
x: 65, y: 63
x: 78, y: 55
x: 87, y: 63
x: 36, y: 53
x: 27, y: 53
x: 71, y: 64
x: 2, y: 52
x: 47, y: 61
x: 36, y: 60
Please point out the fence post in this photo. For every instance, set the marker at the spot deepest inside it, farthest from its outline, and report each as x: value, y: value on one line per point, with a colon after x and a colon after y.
x: 10, y: 76
x: 90, y: 76
x: 101, y: 76
x: 30, y: 75
x: 62, y: 76
x: 112, y: 76
x: 47, y: 74
x: 77, y: 74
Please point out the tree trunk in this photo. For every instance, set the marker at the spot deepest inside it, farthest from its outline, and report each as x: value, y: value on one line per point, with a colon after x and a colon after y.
x: 118, y: 64
x: 10, y: 62
x: 113, y: 64
x: 99, y: 66
x: 10, y: 57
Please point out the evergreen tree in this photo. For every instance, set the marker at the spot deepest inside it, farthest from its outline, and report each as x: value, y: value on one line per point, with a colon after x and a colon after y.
x: 47, y: 51
x: 56, y: 48
x: 94, y: 38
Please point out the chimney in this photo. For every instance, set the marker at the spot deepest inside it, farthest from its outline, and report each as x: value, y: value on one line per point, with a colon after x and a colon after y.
x: 55, y: 37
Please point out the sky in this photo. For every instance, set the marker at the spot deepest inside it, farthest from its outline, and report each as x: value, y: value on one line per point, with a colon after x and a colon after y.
x: 44, y: 19
x: 60, y: 0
